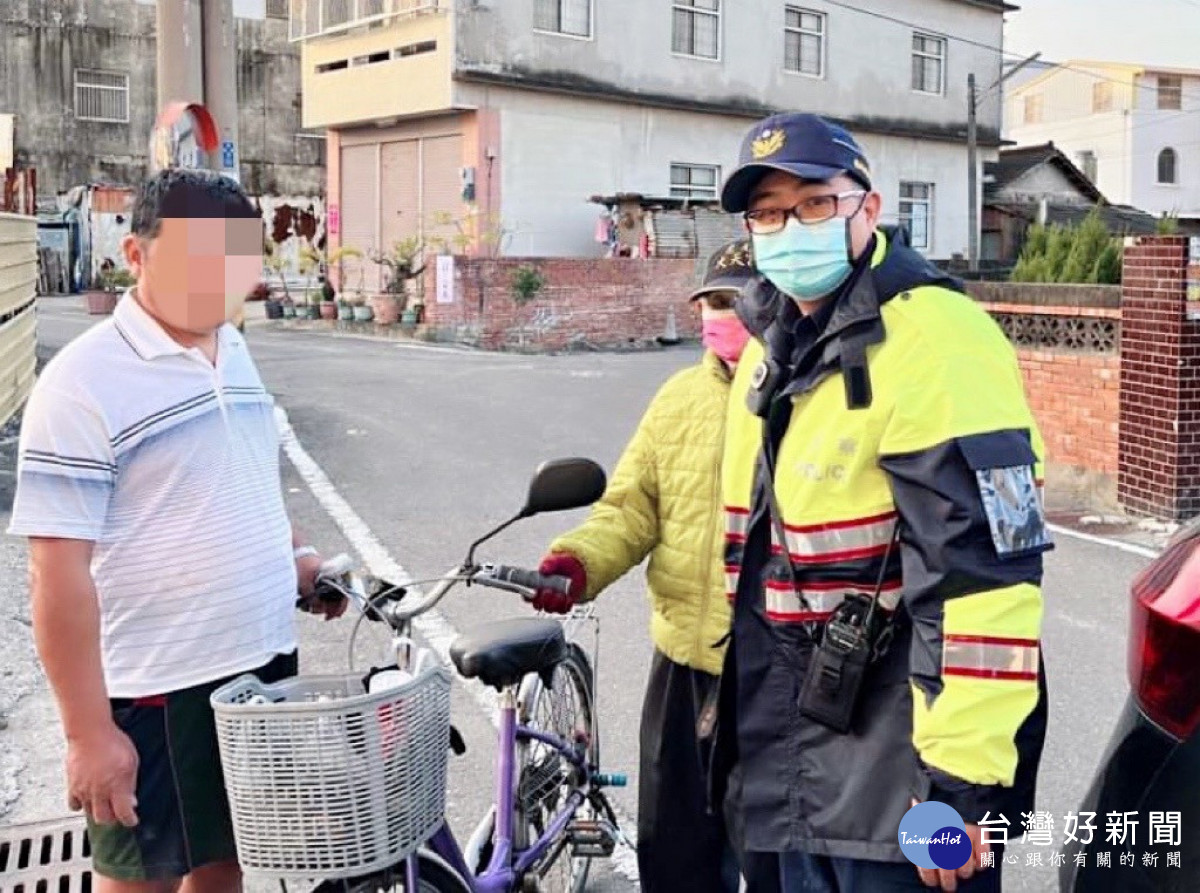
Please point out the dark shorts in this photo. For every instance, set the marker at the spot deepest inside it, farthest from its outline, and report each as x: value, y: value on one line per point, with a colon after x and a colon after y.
x: 182, y: 808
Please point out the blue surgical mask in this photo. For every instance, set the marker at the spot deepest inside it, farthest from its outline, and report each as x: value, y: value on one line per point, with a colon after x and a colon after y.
x: 806, y: 261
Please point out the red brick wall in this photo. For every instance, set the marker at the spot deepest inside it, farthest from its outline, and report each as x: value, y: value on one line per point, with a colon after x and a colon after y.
x: 1160, y: 383
x: 1074, y: 393
x: 1075, y: 400
x: 604, y: 302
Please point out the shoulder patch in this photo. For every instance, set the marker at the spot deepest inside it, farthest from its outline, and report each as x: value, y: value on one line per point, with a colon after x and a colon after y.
x: 1013, y: 505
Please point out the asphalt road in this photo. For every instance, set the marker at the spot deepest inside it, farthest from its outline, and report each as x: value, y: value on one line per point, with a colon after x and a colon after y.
x: 430, y: 447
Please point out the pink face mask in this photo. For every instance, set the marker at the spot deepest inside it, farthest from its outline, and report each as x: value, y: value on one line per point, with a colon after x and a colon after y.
x: 726, y: 337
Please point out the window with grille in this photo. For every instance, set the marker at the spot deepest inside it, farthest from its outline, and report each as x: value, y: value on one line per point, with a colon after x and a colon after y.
x: 1102, y: 96
x: 571, y: 17
x: 1033, y: 109
x: 277, y: 9
x: 697, y: 28
x: 916, y: 212
x: 1170, y: 92
x: 101, y: 96
x: 804, y: 41
x: 928, y: 63
x: 1168, y: 163
x: 694, y: 180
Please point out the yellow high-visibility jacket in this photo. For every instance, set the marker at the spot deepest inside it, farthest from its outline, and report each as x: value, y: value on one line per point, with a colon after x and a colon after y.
x: 664, y: 501
x: 912, y: 414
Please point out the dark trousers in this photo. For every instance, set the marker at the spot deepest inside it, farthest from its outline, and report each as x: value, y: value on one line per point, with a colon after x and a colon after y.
x: 803, y: 873
x: 680, y: 845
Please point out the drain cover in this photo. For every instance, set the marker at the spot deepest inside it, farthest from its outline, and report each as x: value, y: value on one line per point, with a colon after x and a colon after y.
x: 46, y: 857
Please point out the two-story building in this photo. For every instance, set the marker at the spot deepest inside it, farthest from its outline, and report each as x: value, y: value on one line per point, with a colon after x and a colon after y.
x: 1131, y: 128
x: 529, y: 107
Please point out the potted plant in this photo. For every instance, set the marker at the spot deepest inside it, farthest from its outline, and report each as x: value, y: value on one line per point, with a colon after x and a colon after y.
x: 324, y: 260
x: 360, y: 309
x: 328, y: 306
x: 403, y: 265
x: 414, y: 315
x: 276, y: 263
x: 272, y: 306
x: 306, y: 307
x: 103, y: 300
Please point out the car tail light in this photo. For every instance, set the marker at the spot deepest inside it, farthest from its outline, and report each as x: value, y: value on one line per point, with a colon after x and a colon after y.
x: 1164, y: 638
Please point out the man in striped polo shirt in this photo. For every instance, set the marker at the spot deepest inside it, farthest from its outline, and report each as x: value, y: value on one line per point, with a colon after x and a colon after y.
x: 162, y: 559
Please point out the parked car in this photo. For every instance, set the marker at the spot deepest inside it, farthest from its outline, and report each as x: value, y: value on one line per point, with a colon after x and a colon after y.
x: 1151, y: 766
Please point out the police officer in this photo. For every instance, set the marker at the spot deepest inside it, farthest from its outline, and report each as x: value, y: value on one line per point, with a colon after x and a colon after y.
x: 879, y: 450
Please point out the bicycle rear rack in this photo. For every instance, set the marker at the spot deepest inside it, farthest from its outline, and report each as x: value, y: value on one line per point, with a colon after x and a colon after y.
x: 46, y: 857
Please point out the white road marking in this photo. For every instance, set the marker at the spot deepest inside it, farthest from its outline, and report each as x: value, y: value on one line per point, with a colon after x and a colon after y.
x: 432, y: 626
x: 1131, y: 548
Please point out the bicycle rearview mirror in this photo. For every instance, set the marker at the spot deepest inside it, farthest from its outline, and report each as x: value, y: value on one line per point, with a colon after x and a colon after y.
x: 564, y: 484
x: 557, y: 486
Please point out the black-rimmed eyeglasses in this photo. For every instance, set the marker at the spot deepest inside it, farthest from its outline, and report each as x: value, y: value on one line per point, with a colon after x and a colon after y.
x: 814, y: 209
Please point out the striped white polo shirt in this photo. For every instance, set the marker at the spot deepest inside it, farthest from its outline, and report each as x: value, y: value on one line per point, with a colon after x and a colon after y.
x: 171, y: 466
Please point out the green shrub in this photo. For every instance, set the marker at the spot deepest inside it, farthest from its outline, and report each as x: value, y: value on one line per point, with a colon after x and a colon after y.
x: 1084, y: 253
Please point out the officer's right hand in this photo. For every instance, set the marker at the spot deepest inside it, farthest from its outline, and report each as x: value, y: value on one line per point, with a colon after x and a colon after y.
x: 561, y: 564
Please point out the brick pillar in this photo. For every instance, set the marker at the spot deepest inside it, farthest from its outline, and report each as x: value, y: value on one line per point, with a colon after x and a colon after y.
x: 1159, y: 441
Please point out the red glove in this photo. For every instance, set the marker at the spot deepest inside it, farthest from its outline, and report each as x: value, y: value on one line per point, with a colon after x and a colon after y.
x: 561, y: 564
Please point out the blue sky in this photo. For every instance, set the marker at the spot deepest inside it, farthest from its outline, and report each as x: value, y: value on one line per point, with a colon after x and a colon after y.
x: 1156, y: 32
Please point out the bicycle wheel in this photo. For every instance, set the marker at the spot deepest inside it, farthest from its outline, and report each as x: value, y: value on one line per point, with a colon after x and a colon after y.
x: 434, y: 876
x: 545, y: 777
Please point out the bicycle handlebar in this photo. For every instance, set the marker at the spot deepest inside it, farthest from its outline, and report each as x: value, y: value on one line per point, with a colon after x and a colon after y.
x: 336, y: 580
x: 530, y: 580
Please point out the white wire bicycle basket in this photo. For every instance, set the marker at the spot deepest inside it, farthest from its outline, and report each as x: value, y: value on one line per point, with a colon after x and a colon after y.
x: 325, y: 780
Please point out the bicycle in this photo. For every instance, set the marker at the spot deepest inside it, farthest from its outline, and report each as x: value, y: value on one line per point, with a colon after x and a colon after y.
x: 549, y: 802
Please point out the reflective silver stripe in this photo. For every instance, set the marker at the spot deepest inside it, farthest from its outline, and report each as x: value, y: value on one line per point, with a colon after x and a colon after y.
x: 990, y: 657
x: 731, y: 582
x: 874, y: 533
x: 784, y: 604
x: 737, y: 523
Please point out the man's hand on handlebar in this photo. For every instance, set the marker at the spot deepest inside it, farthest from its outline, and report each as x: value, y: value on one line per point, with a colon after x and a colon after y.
x: 307, y: 569
x: 317, y: 597
x: 561, y: 564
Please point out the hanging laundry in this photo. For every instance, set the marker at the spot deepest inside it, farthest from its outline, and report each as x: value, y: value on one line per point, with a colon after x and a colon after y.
x: 604, y: 227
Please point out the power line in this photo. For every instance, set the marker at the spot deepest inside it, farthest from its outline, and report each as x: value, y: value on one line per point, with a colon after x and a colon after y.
x: 969, y: 41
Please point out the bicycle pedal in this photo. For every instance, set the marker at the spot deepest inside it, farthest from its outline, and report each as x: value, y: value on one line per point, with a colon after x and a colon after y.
x: 591, y: 839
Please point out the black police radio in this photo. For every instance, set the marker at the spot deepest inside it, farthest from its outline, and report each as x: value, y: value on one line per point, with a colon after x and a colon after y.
x: 833, y: 685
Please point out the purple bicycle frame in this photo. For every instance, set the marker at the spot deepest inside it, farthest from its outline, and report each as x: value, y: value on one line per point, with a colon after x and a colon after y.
x: 502, y: 871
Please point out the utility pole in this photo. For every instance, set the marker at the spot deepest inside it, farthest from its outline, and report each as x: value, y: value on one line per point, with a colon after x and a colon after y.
x: 197, y: 63
x: 972, y: 178
x: 973, y: 97
x: 220, y: 82
x: 179, y: 70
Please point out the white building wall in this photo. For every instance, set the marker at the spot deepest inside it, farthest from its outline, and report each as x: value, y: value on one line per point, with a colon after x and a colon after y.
x: 868, y: 71
x: 1126, y: 140
x: 557, y: 151
x: 898, y: 159
x: 1067, y: 120
x: 1151, y: 131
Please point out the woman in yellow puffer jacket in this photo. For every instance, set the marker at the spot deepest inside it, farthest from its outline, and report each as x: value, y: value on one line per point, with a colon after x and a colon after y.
x: 664, y: 501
